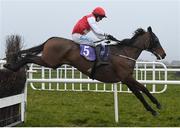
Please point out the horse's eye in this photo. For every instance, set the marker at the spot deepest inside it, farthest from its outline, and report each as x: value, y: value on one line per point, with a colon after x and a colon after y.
x: 156, y: 40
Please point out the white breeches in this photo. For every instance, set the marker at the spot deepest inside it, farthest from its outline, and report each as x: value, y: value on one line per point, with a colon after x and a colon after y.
x: 83, y: 39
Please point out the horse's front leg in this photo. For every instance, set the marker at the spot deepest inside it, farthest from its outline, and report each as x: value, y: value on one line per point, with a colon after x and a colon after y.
x: 129, y: 81
x: 146, y: 91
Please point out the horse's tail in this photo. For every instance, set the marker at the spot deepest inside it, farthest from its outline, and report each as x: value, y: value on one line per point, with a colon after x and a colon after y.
x: 32, y: 51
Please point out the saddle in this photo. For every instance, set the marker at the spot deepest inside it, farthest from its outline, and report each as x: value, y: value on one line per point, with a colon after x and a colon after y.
x: 99, y: 55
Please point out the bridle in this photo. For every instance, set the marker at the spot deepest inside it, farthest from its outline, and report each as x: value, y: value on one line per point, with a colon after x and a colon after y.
x: 148, y: 48
x: 152, y: 44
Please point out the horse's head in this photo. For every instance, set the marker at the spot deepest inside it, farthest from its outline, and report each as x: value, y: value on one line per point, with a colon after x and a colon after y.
x: 155, y: 46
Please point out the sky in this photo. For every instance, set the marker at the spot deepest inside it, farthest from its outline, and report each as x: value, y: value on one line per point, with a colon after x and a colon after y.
x: 38, y: 20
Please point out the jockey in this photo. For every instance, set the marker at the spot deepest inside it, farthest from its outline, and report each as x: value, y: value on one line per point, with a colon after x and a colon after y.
x: 89, y: 23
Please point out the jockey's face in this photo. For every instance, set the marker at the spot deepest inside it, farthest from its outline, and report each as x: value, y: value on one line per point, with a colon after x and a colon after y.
x: 99, y: 18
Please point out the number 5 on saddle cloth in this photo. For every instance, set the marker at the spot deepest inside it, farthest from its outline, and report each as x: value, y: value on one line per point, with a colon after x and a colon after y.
x: 99, y: 53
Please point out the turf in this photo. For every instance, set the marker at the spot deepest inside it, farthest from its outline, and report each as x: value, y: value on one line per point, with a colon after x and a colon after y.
x: 55, y: 108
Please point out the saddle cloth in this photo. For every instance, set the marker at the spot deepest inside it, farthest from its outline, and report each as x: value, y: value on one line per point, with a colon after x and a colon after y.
x: 90, y: 53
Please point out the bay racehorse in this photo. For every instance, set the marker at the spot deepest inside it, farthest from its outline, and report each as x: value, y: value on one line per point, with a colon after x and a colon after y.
x: 57, y: 51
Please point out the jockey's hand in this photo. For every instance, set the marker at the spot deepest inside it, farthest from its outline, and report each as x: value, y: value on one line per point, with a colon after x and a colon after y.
x: 110, y: 37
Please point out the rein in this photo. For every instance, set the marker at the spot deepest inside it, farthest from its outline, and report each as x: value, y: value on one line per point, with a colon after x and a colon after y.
x: 120, y: 43
x: 129, y: 58
x: 123, y: 56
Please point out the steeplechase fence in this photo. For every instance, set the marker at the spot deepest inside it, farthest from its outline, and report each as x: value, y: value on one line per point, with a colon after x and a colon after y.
x: 12, y: 96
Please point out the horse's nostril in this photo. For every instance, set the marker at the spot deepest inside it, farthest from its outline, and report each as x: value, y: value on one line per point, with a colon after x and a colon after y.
x: 164, y: 55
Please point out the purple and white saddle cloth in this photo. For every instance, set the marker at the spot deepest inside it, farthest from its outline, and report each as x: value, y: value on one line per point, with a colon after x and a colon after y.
x: 88, y: 52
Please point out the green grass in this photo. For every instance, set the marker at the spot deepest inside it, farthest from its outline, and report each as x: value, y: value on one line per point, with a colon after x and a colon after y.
x: 53, y: 108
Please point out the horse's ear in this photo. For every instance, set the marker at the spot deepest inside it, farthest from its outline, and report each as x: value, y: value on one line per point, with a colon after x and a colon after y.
x: 149, y: 29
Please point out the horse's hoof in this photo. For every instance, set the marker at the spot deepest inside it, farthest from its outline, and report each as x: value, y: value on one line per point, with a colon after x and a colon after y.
x: 8, y: 66
x: 154, y: 113
x: 159, y: 106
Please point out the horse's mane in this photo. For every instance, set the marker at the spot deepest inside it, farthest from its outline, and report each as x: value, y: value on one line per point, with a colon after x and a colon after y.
x: 137, y: 33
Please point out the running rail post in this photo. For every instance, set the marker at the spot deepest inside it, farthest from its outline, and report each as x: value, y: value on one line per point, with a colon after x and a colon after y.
x: 116, y: 103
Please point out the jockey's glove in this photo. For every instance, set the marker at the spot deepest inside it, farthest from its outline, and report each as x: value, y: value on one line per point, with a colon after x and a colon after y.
x: 110, y: 37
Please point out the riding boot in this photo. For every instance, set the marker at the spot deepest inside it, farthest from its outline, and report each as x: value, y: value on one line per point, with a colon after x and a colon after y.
x: 104, y: 52
x: 100, y: 51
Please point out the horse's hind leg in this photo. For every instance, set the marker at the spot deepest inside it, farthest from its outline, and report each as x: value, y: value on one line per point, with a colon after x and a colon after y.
x: 25, y: 60
x: 146, y: 91
x: 130, y: 83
